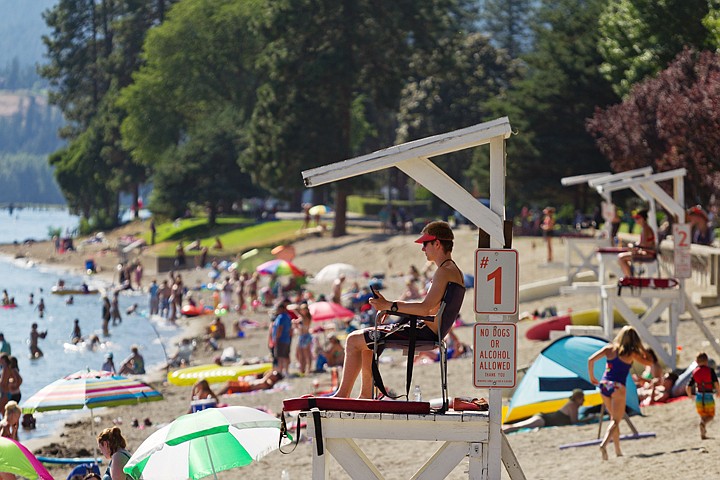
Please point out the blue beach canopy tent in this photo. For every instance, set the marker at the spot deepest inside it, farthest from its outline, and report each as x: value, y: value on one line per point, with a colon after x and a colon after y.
x: 558, y: 369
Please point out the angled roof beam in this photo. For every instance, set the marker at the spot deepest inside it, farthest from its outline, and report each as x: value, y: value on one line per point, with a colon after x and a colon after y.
x: 615, y: 177
x: 629, y: 182
x: 476, y: 135
x: 578, y: 179
x: 445, y: 188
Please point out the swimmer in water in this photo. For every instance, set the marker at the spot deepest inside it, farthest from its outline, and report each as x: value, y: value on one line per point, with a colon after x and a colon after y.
x: 35, y: 352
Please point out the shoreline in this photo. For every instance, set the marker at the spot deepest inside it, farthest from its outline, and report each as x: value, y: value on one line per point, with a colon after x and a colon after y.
x: 674, y: 424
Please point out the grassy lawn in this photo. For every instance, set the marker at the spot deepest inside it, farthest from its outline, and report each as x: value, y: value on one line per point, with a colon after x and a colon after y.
x: 237, y: 234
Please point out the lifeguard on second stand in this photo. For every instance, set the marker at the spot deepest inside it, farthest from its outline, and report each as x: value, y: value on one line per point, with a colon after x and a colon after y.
x: 644, y: 251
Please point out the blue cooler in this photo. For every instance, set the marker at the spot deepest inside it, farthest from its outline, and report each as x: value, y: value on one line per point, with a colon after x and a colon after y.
x: 198, y: 405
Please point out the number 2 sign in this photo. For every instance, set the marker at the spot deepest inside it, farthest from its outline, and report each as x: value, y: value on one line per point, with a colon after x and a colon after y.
x: 496, y: 281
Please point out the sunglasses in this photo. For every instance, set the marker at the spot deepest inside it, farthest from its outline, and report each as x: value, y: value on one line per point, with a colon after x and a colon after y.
x: 425, y: 244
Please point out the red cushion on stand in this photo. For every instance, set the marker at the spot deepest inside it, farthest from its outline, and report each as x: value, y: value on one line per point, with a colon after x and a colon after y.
x: 355, y: 405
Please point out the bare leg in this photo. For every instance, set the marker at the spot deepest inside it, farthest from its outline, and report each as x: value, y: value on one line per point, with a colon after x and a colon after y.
x: 616, y: 408
x: 354, y: 348
x: 624, y: 261
x: 535, y: 421
x: 549, y: 249
x: 366, y: 379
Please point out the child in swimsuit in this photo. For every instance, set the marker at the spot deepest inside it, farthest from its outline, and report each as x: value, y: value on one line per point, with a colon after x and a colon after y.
x: 705, y: 381
x: 624, y: 349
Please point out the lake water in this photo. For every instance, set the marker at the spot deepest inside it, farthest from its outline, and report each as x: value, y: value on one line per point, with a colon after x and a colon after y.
x: 21, y: 278
x: 34, y: 223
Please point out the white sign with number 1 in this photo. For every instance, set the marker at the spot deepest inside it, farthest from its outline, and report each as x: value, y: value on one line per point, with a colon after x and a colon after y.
x: 496, y: 281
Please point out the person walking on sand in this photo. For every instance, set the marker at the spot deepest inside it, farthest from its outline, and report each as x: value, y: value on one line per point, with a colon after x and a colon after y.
x: 35, y: 352
x: 705, y: 383
x: 437, y: 244
x: 547, y: 227
x: 624, y: 349
x: 281, y: 336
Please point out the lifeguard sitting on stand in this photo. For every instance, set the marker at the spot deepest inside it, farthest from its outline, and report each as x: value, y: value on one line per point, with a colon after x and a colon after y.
x: 645, y: 250
x: 437, y: 242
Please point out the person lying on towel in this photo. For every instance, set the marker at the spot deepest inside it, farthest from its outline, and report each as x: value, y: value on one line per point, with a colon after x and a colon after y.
x: 241, y: 385
x: 567, y: 415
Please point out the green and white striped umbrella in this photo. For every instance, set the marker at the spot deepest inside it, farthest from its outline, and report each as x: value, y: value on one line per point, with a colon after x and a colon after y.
x: 198, y: 445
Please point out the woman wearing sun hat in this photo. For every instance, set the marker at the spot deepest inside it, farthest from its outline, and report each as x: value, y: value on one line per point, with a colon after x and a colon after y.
x: 437, y: 244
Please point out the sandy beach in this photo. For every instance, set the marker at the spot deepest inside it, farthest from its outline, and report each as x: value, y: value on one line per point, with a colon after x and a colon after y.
x: 675, y: 452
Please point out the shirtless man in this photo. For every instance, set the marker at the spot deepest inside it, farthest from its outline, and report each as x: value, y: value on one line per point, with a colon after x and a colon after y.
x: 35, y: 352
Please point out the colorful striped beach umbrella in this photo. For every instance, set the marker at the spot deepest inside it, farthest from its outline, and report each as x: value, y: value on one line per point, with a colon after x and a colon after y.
x: 201, y: 444
x: 279, y: 267
x: 90, y: 389
x: 18, y: 460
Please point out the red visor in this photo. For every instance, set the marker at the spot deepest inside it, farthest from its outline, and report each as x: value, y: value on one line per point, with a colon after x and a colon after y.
x: 426, y: 237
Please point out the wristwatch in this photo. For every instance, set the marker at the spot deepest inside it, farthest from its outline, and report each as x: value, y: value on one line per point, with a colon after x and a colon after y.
x: 394, y: 307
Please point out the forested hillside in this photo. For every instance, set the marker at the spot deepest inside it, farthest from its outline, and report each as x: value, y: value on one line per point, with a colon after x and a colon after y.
x: 26, y: 178
x: 28, y: 123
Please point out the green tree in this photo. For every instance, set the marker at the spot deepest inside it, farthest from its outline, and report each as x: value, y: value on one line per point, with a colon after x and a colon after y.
x: 549, y: 105
x: 203, y: 170
x: 92, y: 49
x: 640, y: 37
x: 199, y: 76
x: 451, y: 89
x: 319, y: 58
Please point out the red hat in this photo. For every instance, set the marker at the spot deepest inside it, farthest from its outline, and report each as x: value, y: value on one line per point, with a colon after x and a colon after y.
x: 697, y: 210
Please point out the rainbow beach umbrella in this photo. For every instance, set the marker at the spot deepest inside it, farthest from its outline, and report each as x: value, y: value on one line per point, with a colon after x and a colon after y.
x: 279, y: 267
x: 18, y: 460
x: 90, y: 389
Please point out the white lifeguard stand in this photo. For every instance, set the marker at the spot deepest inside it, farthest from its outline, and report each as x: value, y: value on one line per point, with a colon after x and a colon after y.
x: 645, y: 184
x: 487, y: 445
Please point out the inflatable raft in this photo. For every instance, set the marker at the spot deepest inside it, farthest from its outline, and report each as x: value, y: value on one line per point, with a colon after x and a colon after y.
x: 542, y: 328
x: 213, y: 373
x: 195, y: 311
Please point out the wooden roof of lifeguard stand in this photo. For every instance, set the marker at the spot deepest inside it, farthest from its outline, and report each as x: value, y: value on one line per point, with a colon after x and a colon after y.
x: 413, y: 159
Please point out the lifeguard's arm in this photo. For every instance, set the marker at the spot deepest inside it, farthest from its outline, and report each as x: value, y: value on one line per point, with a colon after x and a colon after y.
x: 594, y: 358
x: 427, y: 306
